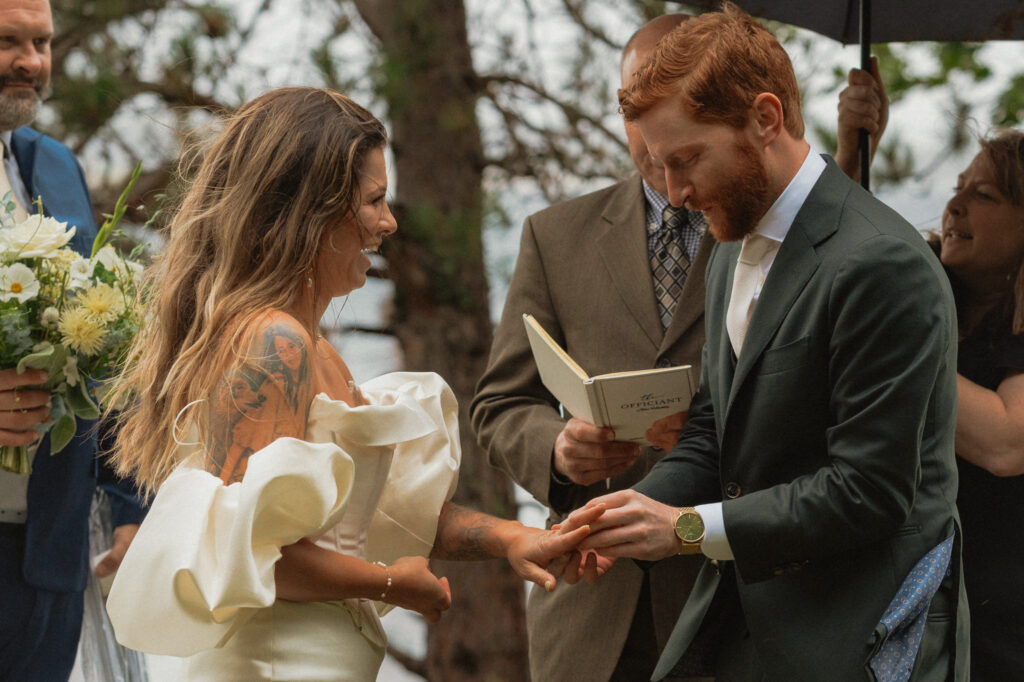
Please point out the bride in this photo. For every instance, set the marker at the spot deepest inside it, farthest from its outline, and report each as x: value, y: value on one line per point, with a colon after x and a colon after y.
x: 293, y: 506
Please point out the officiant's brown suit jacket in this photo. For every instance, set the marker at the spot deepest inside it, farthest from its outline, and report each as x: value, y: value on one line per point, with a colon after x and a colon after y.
x: 583, y: 272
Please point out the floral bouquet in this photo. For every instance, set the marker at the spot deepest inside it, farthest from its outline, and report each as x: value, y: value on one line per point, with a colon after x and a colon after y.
x: 72, y: 316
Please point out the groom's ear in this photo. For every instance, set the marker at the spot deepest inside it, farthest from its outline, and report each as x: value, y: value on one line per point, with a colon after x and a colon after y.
x: 767, y: 120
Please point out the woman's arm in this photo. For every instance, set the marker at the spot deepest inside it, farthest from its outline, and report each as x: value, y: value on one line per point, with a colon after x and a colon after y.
x: 465, y: 535
x: 256, y: 402
x: 990, y: 425
x: 307, y: 572
x: 266, y: 397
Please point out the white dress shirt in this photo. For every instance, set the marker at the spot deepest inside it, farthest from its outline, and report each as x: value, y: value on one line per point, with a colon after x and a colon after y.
x: 774, y: 225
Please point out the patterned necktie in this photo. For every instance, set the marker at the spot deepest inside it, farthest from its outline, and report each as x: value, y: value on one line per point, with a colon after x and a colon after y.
x: 744, y: 285
x: 669, y: 261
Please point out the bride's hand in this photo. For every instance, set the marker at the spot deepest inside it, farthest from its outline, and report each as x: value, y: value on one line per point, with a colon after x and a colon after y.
x: 533, y: 551
x: 414, y: 587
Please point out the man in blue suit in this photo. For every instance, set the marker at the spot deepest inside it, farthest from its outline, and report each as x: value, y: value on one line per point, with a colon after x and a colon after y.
x: 44, y: 549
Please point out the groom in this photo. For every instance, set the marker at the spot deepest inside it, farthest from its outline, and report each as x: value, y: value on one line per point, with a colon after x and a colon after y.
x: 817, y: 464
x: 44, y: 549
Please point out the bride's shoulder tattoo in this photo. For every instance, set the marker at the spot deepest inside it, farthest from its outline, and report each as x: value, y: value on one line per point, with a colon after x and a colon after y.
x: 264, y: 397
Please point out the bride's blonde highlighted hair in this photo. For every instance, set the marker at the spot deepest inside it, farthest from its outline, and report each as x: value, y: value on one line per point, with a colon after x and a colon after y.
x: 281, y: 173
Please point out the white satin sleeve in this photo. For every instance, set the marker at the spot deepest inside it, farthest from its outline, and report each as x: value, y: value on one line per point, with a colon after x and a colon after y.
x: 205, y: 553
x: 203, y: 560
x: 424, y: 468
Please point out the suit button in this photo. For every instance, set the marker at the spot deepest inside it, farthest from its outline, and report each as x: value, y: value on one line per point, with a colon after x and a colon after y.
x: 663, y: 363
x: 732, y: 490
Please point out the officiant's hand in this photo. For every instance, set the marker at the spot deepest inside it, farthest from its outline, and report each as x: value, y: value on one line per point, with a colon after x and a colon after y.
x: 21, y: 407
x: 415, y: 588
x: 664, y: 433
x: 587, y: 454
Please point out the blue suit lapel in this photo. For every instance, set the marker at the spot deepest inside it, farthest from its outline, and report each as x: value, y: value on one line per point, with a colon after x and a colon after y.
x: 50, y: 171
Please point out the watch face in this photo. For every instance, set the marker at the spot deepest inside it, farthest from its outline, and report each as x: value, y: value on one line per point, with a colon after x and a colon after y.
x: 690, y: 527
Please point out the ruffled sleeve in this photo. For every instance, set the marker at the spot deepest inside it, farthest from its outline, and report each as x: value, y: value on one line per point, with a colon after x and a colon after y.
x: 205, y: 554
x: 417, y: 414
x: 204, y: 558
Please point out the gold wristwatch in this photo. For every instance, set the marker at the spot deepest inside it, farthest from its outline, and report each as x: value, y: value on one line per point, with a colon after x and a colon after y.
x: 689, y: 530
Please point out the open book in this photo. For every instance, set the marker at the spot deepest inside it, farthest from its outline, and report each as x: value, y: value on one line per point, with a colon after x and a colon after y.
x: 627, y: 402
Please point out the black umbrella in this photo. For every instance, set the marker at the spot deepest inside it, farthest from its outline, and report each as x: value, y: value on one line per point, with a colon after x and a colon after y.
x: 856, y: 21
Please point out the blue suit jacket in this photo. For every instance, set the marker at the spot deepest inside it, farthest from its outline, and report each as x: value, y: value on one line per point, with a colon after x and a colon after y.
x: 60, y: 487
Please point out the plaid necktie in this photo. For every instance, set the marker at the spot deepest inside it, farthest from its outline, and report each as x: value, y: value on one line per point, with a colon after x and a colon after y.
x: 669, y: 261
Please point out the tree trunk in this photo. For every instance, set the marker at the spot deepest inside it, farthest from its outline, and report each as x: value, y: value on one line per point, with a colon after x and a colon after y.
x: 441, y: 313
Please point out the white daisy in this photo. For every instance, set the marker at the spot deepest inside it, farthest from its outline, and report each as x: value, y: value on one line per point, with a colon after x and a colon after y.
x: 80, y: 272
x: 19, y: 282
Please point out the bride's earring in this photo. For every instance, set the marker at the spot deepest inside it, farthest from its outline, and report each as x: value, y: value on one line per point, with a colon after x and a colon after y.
x: 309, y: 278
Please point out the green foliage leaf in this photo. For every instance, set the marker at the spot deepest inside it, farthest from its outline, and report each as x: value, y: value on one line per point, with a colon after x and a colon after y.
x: 51, y: 359
x: 62, y: 433
x: 81, y: 402
x: 112, y: 219
x: 1009, y: 109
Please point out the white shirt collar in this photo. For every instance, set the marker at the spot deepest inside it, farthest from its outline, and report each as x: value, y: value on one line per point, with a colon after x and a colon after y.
x: 776, y: 222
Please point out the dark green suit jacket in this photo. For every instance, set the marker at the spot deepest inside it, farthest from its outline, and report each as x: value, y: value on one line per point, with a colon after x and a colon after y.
x: 830, y: 440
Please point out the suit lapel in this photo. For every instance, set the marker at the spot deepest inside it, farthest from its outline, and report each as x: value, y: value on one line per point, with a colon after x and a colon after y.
x: 794, y: 265
x: 622, y: 243
x: 49, y: 170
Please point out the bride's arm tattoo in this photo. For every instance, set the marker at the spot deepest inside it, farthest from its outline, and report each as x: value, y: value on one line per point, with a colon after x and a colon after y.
x: 260, y: 401
x: 464, y: 535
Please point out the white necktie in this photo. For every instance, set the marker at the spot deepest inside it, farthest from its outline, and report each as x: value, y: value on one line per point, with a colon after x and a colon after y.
x: 744, y: 284
x: 5, y: 187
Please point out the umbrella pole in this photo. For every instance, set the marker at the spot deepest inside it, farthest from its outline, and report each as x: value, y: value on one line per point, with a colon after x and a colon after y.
x: 863, y: 139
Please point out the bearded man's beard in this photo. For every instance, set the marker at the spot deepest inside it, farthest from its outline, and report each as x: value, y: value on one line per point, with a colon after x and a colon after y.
x: 19, y: 108
x: 743, y: 199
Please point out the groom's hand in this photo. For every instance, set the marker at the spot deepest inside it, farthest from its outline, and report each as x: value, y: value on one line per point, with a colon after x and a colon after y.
x: 542, y: 556
x: 632, y: 525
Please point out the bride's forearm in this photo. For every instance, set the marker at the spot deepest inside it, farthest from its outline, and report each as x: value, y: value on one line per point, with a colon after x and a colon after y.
x: 464, y: 534
x: 307, y: 572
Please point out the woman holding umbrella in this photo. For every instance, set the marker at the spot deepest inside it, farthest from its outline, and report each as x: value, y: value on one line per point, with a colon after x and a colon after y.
x: 981, y: 245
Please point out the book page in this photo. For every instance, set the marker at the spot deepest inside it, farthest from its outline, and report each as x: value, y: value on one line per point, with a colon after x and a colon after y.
x: 560, y: 374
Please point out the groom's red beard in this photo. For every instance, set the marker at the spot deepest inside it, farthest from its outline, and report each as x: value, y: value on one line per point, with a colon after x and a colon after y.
x: 742, y: 198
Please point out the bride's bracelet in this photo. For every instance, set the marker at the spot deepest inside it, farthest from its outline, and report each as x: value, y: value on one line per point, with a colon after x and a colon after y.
x: 387, y: 574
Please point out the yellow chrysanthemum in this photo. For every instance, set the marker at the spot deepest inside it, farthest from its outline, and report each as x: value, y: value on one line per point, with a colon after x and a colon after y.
x: 82, y: 331
x: 103, y: 302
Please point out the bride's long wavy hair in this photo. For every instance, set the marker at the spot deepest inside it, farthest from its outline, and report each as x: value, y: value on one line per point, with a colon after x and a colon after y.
x: 283, y: 171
